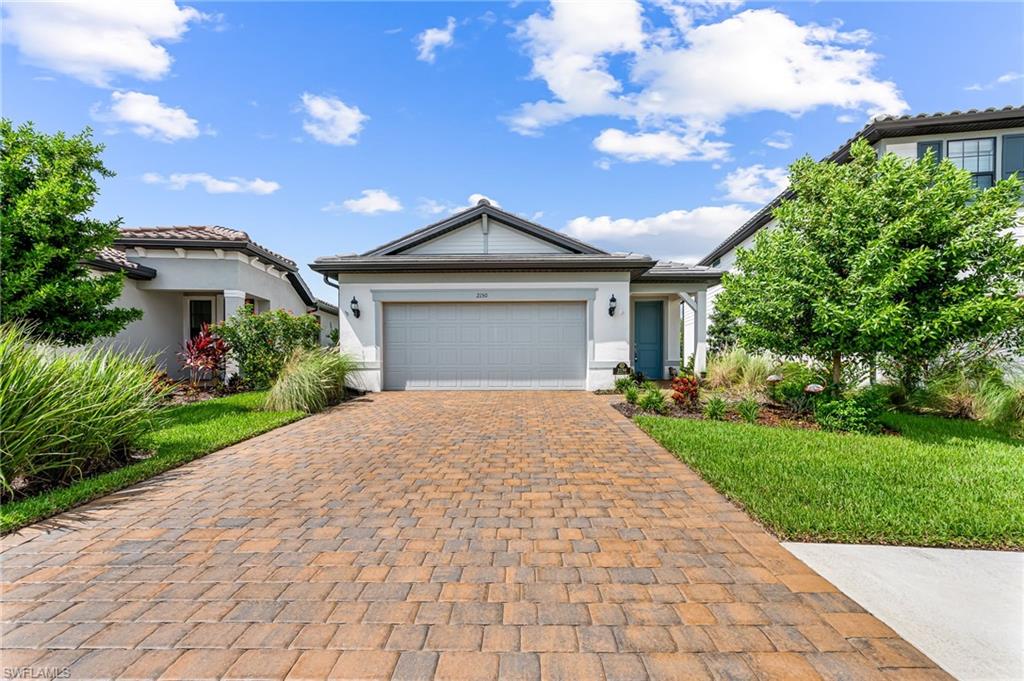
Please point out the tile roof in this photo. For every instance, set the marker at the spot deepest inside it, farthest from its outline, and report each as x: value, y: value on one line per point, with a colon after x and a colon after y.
x: 202, y: 236
x: 115, y: 259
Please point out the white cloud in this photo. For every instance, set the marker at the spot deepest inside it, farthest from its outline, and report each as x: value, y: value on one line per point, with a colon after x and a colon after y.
x: 431, y: 40
x: 95, y: 41
x: 1008, y: 77
x: 705, y: 221
x: 663, y: 147
x: 148, y: 117
x: 846, y: 118
x: 373, y: 201
x: 780, y: 139
x: 331, y: 120
x: 434, y: 207
x: 213, y: 185
x: 755, y: 184
x: 688, y: 80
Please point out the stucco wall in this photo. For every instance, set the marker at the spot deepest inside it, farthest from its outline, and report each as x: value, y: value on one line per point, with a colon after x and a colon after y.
x: 159, y: 332
x: 608, y: 337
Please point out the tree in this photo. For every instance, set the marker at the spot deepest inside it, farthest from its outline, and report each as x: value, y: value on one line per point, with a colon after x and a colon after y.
x: 880, y: 257
x: 722, y: 331
x: 48, y: 185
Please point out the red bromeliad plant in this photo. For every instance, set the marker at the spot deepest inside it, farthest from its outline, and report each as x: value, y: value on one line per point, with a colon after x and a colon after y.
x: 685, y: 390
x: 204, y: 356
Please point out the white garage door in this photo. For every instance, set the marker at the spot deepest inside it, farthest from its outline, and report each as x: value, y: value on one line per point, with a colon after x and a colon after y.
x: 484, y: 346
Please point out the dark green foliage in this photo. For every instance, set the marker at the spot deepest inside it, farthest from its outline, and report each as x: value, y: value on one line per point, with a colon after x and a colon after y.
x: 631, y: 393
x: 623, y: 382
x: 790, y: 390
x: 48, y: 185
x: 723, y: 331
x: 261, y: 343
x: 748, y: 409
x: 653, y: 401
x: 715, y: 409
x: 845, y: 415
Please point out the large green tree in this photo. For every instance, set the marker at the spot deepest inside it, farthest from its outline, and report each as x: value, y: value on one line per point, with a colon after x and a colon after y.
x: 880, y: 257
x: 48, y: 185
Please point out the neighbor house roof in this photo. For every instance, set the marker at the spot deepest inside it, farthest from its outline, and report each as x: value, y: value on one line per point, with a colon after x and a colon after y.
x: 207, y: 237
x: 115, y: 260
x: 668, y: 271
x: 464, y: 217
x: 878, y: 129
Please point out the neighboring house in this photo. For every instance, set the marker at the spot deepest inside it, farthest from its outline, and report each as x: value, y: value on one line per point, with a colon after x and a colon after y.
x: 183, y: 277
x: 485, y: 300
x: 988, y: 143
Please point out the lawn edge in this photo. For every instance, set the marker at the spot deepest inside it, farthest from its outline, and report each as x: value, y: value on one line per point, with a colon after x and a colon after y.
x: 64, y: 499
x: 802, y: 538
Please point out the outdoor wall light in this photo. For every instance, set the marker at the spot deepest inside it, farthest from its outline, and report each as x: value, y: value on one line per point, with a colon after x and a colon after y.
x: 355, y: 307
x: 611, y: 305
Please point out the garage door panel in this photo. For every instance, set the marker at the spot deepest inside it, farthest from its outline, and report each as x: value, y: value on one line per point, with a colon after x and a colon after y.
x: 493, y: 346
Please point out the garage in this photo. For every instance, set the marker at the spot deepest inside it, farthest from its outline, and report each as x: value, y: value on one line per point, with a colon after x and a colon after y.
x: 485, y: 346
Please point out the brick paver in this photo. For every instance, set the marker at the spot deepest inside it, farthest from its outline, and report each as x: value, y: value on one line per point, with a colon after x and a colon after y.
x: 432, y: 535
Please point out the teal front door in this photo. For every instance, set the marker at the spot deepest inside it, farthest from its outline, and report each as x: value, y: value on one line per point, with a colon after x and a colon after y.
x: 648, y: 335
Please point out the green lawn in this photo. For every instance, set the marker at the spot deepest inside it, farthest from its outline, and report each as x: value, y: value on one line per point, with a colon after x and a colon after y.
x: 181, y: 435
x: 941, y: 483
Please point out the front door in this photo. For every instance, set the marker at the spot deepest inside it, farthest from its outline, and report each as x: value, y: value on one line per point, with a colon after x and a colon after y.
x: 648, y: 335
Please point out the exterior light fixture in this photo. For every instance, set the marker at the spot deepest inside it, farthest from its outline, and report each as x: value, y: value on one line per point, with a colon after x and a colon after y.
x: 611, y: 306
x: 355, y: 307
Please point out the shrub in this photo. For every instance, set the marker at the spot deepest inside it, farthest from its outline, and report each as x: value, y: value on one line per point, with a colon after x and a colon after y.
x: 65, y: 415
x: 310, y: 381
x: 631, y: 393
x: 737, y: 368
x: 685, y: 390
x: 653, y: 400
x: 790, y: 390
x: 203, y: 356
x: 623, y: 382
x: 649, y: 385
x: 261, y: 343
x: 1003, y: 402
x: 715, y: 408
x: 845, y: 414
x: 756, y: 372
x: 749, y: 410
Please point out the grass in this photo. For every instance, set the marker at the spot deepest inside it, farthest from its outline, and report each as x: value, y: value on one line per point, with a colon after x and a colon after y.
x: 943, y: 482
x: 182, y: 434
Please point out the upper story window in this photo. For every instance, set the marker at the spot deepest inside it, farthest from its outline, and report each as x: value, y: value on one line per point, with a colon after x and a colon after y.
x: 977, y: 157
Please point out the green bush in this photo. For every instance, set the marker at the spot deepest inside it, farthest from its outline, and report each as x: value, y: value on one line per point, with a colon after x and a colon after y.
x: 737, y: 368
x: 67, y: 414
x: 623, y: 382
x: 648, y: 385
x: 631, y: 393
x: 749, y: 410
x: 262, y: 343
x: 847, y: 414
x: 790, y: 390
x: 310, y: 381
x: 653, y: 401
x: 715, y: 408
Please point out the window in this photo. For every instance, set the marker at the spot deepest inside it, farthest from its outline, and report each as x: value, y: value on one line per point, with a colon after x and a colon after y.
x: 923, y: 147
x: 1013, y: 156
x: 200, y: 312
x: 978, y: 157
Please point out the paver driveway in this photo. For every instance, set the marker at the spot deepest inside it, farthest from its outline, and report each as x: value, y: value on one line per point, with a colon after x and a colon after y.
x: 454, y: 535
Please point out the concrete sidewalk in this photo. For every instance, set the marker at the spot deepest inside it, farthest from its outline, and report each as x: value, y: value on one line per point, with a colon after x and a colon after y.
x: 964, y: 609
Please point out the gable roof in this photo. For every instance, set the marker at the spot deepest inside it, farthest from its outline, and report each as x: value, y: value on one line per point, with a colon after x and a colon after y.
x: 465, y: 217
x: 882, y: 128
x: 206, y: 237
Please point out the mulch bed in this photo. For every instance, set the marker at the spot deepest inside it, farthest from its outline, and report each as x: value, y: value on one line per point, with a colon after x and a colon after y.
x: 770, y: 415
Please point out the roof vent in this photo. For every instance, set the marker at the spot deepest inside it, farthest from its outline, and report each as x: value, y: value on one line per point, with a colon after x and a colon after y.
x: 483, y: 202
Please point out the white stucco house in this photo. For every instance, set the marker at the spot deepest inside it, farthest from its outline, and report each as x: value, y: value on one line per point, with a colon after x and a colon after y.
x: 989, y: 143
x: 183, y: 277
x: 486, y: 300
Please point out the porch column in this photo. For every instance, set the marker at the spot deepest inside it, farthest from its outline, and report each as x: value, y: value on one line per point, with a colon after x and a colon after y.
x: 233, y: 302
x: 689, y: 341
x: 700, y: 324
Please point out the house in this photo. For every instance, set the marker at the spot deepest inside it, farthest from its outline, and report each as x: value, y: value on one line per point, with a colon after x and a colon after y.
x: 988, y: 143
x: 183, y: 277
x: 485, y: 300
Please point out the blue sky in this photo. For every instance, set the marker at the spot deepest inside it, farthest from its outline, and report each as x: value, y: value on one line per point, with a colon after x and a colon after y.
x: 331, y: 127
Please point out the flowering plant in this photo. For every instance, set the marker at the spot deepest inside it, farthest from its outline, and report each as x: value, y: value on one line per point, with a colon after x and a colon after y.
x: 203, y: 356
